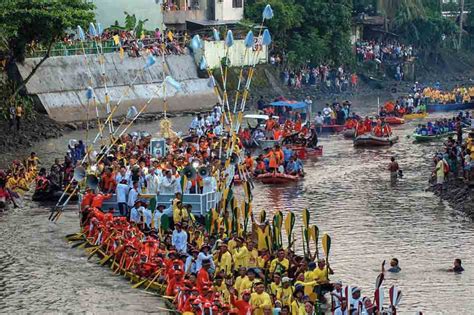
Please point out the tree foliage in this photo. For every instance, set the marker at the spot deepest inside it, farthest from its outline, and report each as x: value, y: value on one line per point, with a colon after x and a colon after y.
x: 27, y: 22
x: 308, y: 30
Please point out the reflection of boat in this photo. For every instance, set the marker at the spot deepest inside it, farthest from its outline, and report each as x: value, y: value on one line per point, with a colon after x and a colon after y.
x: 393, y: 120
x: 277, y: 178
x: 448, y: 107
x: 303, y: 152
x: 415, y: 116
x: 349, y: 133
x: 332, y: 128
x: 427, y: 138
x: 368, y: 140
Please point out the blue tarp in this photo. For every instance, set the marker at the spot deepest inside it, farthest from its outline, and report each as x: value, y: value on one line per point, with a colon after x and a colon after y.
x: 291, y: 104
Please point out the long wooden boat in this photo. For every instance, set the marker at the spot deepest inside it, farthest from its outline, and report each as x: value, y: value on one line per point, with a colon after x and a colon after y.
x: 430, y: 108
x: 393, y: 120
x: 368, y: 140
x: 426, y: 138
x: 415, y: 116
x: 277, y: 178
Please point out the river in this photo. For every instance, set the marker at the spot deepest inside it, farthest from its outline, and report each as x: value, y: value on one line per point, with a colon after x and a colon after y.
x: 350, y: 197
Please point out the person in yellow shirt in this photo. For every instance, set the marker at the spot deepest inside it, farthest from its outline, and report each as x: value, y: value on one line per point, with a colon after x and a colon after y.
x: 242, y: 275
x: 179, y: 213
x: 321, y: 275
x: 279, y: 264
x: 223, y: 260
x: 253, y: 255
x: 308, y: 286
x: 309, y: 276
x: 247, y: 283
x: 240, y: 253
x: 275, y: 286
x: 286, y: 292
x: 297, y: 306
x: 259, y: 300
x: 221, y: 287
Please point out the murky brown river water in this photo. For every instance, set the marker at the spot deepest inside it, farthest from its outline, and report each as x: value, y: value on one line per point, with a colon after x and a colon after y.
x: 349, y: 194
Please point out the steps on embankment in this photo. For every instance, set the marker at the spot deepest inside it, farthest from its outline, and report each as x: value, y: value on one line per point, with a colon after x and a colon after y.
x: 61, y: 84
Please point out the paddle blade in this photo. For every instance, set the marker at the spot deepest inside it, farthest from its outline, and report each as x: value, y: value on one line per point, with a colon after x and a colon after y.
x: 326, y: 240
x: 379, y: 280
x: 229, y: 40
x: 305, y: 218
x: 314, y: 233
x: 263, y: 216
x: 379, y: 298
x: 216, y: 35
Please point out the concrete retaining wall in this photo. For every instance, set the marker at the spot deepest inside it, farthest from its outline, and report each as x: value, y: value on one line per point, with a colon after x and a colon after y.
x: 61, y: 83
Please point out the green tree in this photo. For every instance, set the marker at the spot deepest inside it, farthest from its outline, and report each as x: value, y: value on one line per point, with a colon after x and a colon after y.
x: 39, y: 22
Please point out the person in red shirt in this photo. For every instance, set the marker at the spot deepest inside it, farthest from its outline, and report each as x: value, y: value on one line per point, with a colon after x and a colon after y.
x: 203, y: 279
x: 87, y: 199
x: 108, y: 182
x: 243, y: 305
x: 99, y: 199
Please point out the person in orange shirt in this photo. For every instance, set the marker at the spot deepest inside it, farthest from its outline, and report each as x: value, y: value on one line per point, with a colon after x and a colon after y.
x: 260, y: 168
x: 279, y: 154
x: 277, y: 134
x: 360, y: 129
x: 99, y: 200
x: 270, y: 124
x: 87, y: 199
x: 389, y: 107
x: 298, y: 125
x: 249, y: 162
x: 378, y: 130
x: 108, y: 182
x: 386, y: 130
x: 272, y: 160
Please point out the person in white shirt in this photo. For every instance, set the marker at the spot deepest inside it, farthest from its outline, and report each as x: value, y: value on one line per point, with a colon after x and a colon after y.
x: 122, y: 195
x: 147, y: 216
x: 133, y: 194
x: 209, y: 184
x: 179, y: 239
x: 122, y: 175
x: 204, y: 254
x: 152, y: 182
x: 337, y: 295
x: 168, y: 185
x: 159, y: 212
x: 309, y: 106
x: 318, y: 122
x: 136, y: 212
x: 327, y: 111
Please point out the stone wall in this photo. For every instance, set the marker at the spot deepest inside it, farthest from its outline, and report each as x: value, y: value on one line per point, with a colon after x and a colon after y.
x: 61, y: 83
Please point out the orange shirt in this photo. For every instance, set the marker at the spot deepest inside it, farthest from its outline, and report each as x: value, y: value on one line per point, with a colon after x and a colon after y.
x: 269, y: 124
x: 99, y: 200
x: 277, y: 133
x: 249, y: 163
x: 272, y: 159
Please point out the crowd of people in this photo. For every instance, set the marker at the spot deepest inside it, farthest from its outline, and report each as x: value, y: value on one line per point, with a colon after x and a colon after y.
x: 459, y: 94
x: 383, y: 52
x: 457, y: 158
x: 16, y: 179
x: 327, y: 79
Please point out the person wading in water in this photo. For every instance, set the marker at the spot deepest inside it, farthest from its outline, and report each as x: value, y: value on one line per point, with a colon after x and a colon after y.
x: 393, y: 168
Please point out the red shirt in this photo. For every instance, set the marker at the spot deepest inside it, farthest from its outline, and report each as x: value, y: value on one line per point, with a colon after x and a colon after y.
x: 99, y: 200
x: 243, y: 307
x: 202, y: 279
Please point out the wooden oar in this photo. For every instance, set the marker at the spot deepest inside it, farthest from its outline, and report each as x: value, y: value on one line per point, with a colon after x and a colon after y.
x: 326, y: 240
x: 99, y: 246
x: 154, y: 279
x: 138, y: 284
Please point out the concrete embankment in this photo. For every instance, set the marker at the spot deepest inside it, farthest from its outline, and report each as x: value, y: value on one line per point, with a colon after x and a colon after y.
x: 460, y: 195
x: 61, y: 82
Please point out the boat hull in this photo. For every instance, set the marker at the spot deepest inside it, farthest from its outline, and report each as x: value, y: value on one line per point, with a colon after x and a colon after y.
x: 304, y: 152
x: 449, y: 107
x: 373, y: 141
x: 277, y: 178
x: 415, y: 116
x: 392, y: 120
x: 422, y: 138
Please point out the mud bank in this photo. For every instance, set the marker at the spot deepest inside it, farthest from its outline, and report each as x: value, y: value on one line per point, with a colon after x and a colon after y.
x: 459, y: 193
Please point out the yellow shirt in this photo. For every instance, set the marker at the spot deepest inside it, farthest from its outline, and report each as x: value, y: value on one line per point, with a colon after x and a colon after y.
x: 252, y: 258
x: 179, y: 215
x: 222, y: 289
x: 262, y: 238
x: 275, y: 289
x: 225, y: 263
x: 308, y: 286
x: 241, y: 257
x: 238, y: 282
x: 11, y: 183
x: 279, y: 266
x: 231, y: 245
x: 320, y: 275
x: 259, y: 301
x: 297, y: 308
x: 246, y: 284
x: 286, y: 295
x: 309, y: 276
